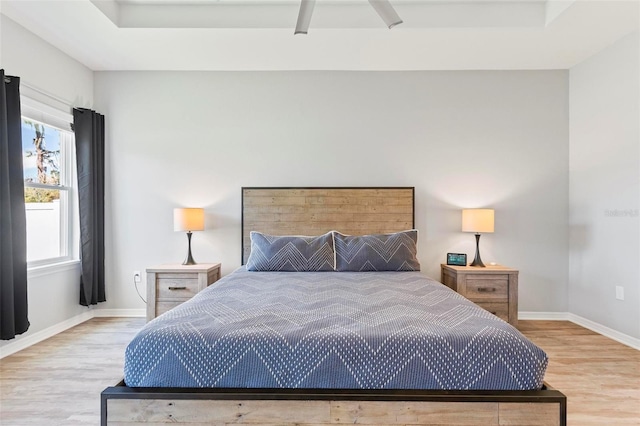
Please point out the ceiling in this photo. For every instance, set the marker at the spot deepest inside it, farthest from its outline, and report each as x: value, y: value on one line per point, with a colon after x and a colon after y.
x: 343, y: 35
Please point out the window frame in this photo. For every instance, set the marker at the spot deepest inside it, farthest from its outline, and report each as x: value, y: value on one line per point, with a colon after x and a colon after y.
x: 46, y: 115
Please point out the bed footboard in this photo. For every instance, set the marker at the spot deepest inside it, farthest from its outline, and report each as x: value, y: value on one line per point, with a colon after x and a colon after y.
x: 122, y: 405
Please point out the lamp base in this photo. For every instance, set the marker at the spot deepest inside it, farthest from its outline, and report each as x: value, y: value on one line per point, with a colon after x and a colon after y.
x: 477, y: 261
x: 189, y: 260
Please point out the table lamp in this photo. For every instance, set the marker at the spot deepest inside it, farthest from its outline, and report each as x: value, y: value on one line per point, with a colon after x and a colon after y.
x: 478, y: 221
x: 188, y: 219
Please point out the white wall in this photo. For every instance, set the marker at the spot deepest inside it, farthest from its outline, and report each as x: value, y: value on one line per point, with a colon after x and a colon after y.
x: 605, y: 187
x: 52, y: 296
x: 463, y: 139
x: 44, y: 67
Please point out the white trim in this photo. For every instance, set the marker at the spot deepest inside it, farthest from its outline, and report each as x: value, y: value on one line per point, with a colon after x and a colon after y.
x: 50, y: 261
x: 45, y: 114
x: 625, y: 339
x: 549, y: 316
x: 51, y: 105
x: 41, y: 335
x: 605, y: 331
x: 53, y: 268
x: 52, y: 187
x: 129, y: 313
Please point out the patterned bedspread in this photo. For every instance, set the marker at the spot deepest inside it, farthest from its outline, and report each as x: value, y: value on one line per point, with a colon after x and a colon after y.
x: 352, y: 330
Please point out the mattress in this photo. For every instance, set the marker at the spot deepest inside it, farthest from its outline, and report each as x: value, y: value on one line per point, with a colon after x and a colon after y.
x: 337, y: 330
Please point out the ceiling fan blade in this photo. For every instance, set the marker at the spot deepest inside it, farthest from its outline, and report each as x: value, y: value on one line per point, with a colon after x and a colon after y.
x: 304, y: 16
x: 386, y: 12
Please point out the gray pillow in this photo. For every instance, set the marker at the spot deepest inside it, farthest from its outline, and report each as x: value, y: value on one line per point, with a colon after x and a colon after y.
x: 291, y: 253
x: 381, y: 252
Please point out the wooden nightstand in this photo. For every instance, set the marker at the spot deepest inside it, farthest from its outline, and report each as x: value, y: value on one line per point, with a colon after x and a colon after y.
x: 494, y: 288
x: 170, y: 285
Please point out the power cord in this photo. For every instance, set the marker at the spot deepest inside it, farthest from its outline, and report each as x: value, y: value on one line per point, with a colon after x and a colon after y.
x: 135, y: 283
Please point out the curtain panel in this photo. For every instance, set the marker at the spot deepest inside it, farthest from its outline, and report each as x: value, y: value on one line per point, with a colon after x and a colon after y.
x: 88, y: 127
x: 13, y: 222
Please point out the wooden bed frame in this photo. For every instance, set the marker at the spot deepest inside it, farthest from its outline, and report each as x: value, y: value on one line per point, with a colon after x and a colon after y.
x: 313, y: 211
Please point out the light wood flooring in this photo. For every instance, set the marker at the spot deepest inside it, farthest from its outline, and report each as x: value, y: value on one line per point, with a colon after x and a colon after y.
x: 58, y: 381
x: 599, y: 376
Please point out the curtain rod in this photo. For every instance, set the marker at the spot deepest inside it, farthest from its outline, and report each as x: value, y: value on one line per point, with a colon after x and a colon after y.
x: 48, y: 108
x: 48, y: 95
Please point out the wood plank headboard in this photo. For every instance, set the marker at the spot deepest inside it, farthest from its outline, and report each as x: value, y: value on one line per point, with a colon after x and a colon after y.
x: 315, y: 211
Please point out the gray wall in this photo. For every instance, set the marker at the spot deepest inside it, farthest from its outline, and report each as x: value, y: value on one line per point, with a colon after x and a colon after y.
x: 605, y: 187
x: 463, y: 139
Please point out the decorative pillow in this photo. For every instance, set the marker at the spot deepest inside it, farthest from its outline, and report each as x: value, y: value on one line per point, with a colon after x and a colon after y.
x: 291, y: 253
x: 383, y: 252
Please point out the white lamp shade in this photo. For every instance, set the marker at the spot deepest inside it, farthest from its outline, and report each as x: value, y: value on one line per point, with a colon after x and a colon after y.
x: 477, y: 220
x: 188, y: 219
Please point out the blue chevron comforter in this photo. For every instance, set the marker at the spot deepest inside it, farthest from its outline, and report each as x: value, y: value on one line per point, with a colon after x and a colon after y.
x: 352, y: 330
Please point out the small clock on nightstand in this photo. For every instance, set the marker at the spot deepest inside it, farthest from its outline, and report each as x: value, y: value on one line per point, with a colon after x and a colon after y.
x: 170, y: 285
x: 494, y: 288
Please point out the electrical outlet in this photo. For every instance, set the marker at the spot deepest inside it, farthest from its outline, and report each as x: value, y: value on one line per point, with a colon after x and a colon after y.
x: 619, y: 292
x: 137, y: 277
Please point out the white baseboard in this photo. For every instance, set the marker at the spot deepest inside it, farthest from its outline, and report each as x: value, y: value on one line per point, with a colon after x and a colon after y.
x: 32, y: 339
x: 605, y: 331
x: 583, y: 322
x: 101, y: 313
x: 544, y: 316
x: 39, y: 336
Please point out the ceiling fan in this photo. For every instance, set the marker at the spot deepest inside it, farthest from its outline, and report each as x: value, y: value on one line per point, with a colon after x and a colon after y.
x: 382, y: 7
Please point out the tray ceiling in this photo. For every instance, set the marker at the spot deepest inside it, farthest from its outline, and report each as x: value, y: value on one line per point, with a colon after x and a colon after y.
x: 343, y: 35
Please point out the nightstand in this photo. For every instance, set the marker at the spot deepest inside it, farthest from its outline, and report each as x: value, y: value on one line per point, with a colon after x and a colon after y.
x: 170, y: 285
x: 494, y: 288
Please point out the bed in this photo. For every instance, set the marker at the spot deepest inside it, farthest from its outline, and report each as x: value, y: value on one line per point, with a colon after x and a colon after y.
x: 353, y: 381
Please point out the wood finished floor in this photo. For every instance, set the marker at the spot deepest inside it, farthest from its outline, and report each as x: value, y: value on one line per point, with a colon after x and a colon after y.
x: 58, y: 381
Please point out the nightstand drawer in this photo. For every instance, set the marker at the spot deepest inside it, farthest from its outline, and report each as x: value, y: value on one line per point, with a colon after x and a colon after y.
x: 487, y: 288
x: 494, y: 288
x: 176, y: 286
x: 170, y: 285
x: 450, y: 281
x: 501, y: 310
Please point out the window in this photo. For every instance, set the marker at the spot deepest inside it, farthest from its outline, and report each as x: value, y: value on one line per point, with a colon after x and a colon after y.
x: 48, y: 163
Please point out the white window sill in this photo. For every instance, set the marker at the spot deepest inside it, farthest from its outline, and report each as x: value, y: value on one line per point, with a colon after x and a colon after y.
x: 53, y: 268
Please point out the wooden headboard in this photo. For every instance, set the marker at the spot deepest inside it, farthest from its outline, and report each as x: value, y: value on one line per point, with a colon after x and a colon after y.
x: 315, y: 211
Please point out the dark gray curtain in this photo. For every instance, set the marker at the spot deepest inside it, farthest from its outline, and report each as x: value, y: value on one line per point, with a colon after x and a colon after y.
x: 89, y: 132
x: 13, y: 222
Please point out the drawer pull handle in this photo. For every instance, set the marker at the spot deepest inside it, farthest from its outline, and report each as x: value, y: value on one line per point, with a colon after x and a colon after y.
x: 177, y: 288
x: 494, y: 313
x: 486, y: 289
